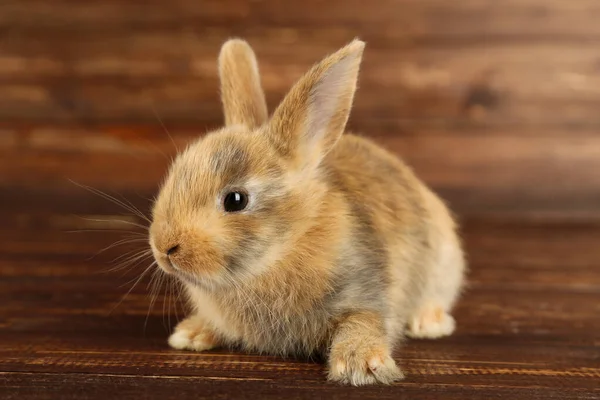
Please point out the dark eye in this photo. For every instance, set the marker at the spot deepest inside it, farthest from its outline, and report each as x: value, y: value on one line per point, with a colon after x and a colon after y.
x: 235, y: 201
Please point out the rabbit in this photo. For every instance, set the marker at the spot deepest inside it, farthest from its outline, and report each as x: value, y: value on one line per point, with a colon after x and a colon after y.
x: 291, y: 238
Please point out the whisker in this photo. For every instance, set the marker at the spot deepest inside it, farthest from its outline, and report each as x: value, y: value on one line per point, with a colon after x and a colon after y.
x: 132, y: 287
x: 122, y: 221
x: 130, y: 263
x: 113, y: 199
x: 138, y: 252
x: 155, y: 287
x: 164, y: 128
x: 151, y: 200
x: 139, y: 212
x: 127, y: 206
x: 116, y: 244
x: 150, y: 285
x: 126, y: 268
x: 158, y: 149
x: 133, y: 258
x: 107, y: 230
x: 165, y: 296
x: 180, y: 289
x: 170, y: 298
x: 104, y: 195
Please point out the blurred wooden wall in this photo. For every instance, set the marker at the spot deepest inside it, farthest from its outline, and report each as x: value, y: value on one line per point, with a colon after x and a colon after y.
x: 496, y: 103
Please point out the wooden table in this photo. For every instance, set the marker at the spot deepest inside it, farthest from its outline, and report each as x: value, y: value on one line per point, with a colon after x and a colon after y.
x: 527, y: 326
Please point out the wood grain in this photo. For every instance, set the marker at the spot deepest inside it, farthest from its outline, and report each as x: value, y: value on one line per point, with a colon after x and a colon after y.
x: 469, y: 18
x: 427, y: 62
x: 482, y: 98
x: 493, y: 95
x: 489, y: 173
x: 110, y: 78
x: 535, y: 337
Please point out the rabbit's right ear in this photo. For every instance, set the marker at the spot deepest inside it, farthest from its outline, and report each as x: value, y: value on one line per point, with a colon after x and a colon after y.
x: 313, y: 115
x: 241, y: 92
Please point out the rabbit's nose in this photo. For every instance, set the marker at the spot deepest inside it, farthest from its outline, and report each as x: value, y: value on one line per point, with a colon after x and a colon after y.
x: 172, y: 250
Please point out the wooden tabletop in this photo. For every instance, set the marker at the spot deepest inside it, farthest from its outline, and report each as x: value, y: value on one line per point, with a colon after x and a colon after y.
x: 527, y: 326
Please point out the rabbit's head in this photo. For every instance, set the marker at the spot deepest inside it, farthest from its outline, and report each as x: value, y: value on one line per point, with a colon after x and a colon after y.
x: 236, y: 199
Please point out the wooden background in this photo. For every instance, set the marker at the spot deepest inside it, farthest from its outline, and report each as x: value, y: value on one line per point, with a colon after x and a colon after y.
x: 495, y: 103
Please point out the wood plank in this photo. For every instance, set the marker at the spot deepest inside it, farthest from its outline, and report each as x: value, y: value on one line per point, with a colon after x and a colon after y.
x: 22, y: 385
x: 111, y: 78
x: 479, y: 172
x: 70, y: 246
x: 486, y: 310
x: 394, y: 19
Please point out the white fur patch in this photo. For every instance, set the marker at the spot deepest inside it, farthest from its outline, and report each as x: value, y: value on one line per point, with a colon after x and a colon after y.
x: 179, y: 340
x: 182, y: 339
x: 421, y: 327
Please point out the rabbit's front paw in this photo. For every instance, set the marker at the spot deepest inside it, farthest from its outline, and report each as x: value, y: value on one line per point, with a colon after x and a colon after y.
x: 356, y: 364
x: 191, y: 334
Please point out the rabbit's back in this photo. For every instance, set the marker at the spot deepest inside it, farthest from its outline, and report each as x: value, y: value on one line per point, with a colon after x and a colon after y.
x: 409, y: 224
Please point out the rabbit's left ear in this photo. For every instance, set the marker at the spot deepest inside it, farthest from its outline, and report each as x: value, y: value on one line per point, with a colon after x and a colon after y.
x: 313, y: 115
x: 241, y: 92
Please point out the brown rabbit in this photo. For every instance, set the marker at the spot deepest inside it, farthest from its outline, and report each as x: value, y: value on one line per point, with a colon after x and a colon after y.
x: 291, y: 238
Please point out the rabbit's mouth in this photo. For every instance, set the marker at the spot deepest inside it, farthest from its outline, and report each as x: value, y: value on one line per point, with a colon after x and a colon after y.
x: 172, y: 266
x: 165, y: 264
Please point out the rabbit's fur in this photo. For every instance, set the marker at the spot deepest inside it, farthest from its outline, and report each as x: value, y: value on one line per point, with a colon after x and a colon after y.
x: 340, y: 250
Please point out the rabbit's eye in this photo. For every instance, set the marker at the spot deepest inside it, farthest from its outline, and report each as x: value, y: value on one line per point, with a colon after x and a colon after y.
x: 235, y: 201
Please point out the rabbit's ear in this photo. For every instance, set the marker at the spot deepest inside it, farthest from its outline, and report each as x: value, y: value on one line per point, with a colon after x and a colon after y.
x: 241, y: 92
x: 313, y: 115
